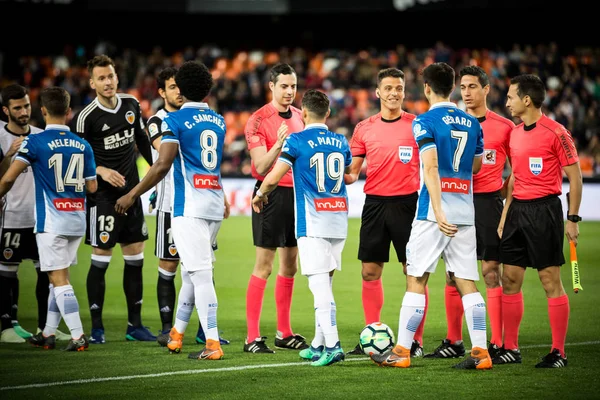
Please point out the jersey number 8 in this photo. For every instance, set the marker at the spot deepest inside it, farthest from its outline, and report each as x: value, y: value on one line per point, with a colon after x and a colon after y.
x: 208, y: 143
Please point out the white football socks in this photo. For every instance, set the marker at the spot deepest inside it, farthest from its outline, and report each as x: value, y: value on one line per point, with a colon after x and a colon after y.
x: 474, y: 306
x: 185, y: 302
x: 411, y: 315
x: 325, y: 309
x: 206, y: 302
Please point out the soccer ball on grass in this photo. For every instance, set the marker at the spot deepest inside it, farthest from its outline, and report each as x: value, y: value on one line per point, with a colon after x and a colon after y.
x: 376, y: 338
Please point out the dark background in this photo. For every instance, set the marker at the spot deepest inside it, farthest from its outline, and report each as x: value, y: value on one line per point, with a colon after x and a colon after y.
x: 312, y: 24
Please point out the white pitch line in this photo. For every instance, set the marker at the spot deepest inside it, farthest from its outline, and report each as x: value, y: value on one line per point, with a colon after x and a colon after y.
x: 227, y: 369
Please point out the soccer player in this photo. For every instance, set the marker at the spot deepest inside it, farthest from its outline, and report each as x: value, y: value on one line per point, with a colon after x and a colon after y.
x: 112, y: 124
x: 318, y: 159
x: 385, y: 140
x: 273, y: 228
x: 193, y: 137
x: 487, y: 185
x: 165, y: 248
x: 531, y: 228
x: 451, y: 145
x: 18, y: 220
x: 64, y: 169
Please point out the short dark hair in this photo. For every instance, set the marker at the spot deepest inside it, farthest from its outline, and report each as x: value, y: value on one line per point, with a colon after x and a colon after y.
x: 316, y: 103
x: 532, y: 86
x: 440, y: 77
x: 56, y: 100
x: 164, y: 76
x: 280, y: 69
x: 475, y: 70
x: 389, y: 72
x: 194, y: 80
x: 101, y: 60
x: 13, y: 91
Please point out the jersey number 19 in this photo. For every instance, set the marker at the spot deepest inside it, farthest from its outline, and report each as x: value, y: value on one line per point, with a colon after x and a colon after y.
x: 333, y: 167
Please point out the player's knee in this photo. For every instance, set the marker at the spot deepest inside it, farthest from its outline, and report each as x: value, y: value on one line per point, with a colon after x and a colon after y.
x: 59, y: 277
x: 202, y: 277
x: 168, y: 265
x: 101, y: 261
x: 134, y: 260
x: 288, y: 270
x: 133, y: 248
x: 550, y: 279
x: 510, y: 284
x: 491, y: 277
x: 288, y: 261
x: 262, y: 269
x: 371, y: 271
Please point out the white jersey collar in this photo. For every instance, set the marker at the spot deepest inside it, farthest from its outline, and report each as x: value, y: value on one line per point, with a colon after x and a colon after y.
x: 443, y: 104
x: 316, y: 125
x: 194, y: 104
x: 58, y: 127
x: 110, y: 110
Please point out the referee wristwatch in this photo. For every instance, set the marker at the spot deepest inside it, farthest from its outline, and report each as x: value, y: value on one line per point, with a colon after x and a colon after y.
x: 574, y: 218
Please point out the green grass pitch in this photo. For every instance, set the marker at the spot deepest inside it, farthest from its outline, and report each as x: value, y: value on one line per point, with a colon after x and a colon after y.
x: 136, y: 370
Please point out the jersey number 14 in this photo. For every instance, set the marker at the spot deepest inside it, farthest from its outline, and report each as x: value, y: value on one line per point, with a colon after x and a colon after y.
x: 74, y: 174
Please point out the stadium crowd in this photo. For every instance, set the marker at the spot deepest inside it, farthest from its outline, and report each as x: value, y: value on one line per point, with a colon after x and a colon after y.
x: 241, y: 83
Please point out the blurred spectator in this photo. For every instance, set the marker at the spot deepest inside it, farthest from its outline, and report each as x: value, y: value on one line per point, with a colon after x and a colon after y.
x: 241, y: 83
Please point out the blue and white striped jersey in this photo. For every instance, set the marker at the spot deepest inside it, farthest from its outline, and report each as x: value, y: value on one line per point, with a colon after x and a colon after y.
x: 61, y: 162
x: 318, y: 158
x: 196, y: 180
x: 458, y: 138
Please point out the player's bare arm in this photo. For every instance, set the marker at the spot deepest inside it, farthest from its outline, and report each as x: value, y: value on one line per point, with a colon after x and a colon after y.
x: 9, y: 178
x: 573, y: 173
x: 111, y: 176
x: 353, y: 171
x: 509, y: 197
x: 477, y: 163
x: 227, y: 206
x: 155, y: 174
x: 143, y: 145
x: 504, y: 189
x: 14, y: 147
x: 91, y: 185
x: 268, y: 185
x: 431, y: 177
x: 263, y: 159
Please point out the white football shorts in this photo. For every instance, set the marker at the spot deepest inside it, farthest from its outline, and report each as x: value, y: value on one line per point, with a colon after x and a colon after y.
x: 194, y: 238
x: 427, y: 243
x: 320, y: 255
x: 57, y: 251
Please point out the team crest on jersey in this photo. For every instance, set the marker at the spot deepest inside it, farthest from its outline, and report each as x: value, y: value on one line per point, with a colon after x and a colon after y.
x: 130, y: 117
x: 23, y: 148
x: 489, y: 157
x: 172, y: 250
x: 153, y: 129
x: 164, y: 127
x: 8, y: 253
x: 418, y: 131
x: 104, y: 236
x: 536, y: 165
x: 405, y: 153
x: 144, y: 229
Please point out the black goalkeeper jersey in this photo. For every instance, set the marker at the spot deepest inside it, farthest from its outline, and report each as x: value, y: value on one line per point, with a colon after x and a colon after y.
x: 113, y: 135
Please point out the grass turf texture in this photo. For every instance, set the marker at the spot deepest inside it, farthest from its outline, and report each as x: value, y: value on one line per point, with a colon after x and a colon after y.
x: 284, y: 375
